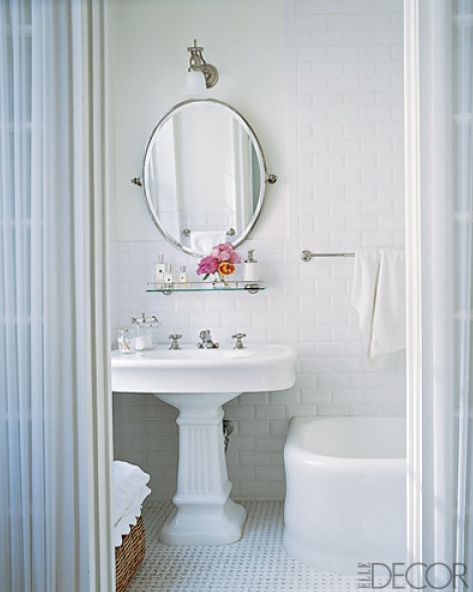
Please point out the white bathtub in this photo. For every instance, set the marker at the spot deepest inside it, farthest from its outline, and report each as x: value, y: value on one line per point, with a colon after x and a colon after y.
x: 345, y: 499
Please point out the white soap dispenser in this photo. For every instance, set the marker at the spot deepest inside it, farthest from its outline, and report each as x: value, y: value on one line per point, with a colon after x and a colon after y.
x: 251, y: 268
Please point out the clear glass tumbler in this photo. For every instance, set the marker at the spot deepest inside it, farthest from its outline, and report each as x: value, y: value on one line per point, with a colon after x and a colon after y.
x: 126, y: 341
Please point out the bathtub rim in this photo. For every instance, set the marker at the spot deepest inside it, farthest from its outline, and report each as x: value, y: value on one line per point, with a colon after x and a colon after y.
x: 294, y: 450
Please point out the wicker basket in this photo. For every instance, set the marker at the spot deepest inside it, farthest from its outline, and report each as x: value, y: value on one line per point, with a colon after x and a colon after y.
x: 129, y: 555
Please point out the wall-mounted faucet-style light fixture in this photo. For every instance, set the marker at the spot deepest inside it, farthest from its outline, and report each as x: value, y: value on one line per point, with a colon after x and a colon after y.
x: 197, y: 63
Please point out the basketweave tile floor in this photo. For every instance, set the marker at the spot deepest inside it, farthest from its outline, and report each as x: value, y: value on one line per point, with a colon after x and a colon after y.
x: 256, y: 563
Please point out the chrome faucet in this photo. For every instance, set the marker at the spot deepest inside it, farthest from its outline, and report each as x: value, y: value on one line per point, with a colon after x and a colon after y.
x: 206, y: 341
x: 174, y: 337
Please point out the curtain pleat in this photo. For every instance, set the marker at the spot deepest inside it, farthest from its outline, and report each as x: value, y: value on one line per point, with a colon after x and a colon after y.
x: 15, y: 294
x: 55, y: 402
x: 462, y: 36
x: 439, y: 50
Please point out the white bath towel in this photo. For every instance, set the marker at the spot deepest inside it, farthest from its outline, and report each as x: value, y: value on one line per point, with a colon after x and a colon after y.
x: 129, y: 490
x: 378, y: 295
x: 202, y: 241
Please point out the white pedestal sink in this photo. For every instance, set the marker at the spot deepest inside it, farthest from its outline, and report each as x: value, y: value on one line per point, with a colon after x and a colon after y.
x: 198, y: 382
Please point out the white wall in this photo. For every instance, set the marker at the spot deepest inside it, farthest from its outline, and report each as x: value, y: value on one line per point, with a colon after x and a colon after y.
x: 321, y: 80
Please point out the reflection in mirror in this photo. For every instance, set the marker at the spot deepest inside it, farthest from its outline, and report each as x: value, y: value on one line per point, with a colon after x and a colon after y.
x: 204, y: 176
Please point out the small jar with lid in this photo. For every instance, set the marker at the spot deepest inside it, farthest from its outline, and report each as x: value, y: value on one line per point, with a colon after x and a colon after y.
x: 251, y: 268
x: 146, y: 337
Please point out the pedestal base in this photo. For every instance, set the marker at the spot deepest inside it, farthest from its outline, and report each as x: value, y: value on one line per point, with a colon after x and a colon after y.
x: 205, y: 525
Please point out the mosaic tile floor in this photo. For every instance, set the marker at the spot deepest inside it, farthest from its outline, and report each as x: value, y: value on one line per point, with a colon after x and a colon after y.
x: 257, y: 563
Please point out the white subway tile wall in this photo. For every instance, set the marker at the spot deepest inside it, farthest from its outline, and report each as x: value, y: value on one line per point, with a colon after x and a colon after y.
x: 347, y: 192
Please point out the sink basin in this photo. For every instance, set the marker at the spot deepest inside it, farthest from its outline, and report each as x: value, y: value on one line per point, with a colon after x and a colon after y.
x: 198, y: 382
x: 258, y: 368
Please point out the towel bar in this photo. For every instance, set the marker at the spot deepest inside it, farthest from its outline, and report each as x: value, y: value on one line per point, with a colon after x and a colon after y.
x: 307, y: 255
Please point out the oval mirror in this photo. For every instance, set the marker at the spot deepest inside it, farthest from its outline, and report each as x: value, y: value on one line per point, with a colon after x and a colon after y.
x: 204, y: 176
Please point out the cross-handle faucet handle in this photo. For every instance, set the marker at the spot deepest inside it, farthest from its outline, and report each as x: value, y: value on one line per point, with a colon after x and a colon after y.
x: 141, y: 319
x: 239, y: 343
x: 174, y: 337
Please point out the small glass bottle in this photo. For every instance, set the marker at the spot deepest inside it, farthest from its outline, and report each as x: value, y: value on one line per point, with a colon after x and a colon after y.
x: 159, y: 270
x: 168, y: 279
x: 182, y: 277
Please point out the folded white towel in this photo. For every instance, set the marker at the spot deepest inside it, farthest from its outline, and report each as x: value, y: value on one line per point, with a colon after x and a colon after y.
x: 202, y: 241
x: 378, y: 295
x: 127, y: 480
x: 130, y: 516
x: 129, y: 491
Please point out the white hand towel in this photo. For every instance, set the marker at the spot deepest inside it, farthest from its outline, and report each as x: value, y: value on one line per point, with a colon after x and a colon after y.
x: 202, y: 241
x: 378, y: 295
x: 363, y: 292
x: 389, y: 322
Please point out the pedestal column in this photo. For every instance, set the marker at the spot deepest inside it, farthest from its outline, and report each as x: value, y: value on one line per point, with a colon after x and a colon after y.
x: 205, y: 513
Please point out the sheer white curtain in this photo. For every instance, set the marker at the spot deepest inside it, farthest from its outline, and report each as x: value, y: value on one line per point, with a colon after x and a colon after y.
x: 439, y: 174
x: 55, y: 442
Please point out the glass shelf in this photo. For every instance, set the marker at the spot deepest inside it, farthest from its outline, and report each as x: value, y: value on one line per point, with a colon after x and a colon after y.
x: 231, y: 286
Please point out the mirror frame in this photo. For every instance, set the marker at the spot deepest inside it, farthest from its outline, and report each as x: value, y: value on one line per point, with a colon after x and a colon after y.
x: 264, y: 176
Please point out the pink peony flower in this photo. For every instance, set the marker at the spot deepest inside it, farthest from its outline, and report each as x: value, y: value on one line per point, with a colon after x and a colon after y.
x: 225, y: 252
x: 224, y: 256
x: 234, y: 257
x: 222, y: 253
x: 207, y: 265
